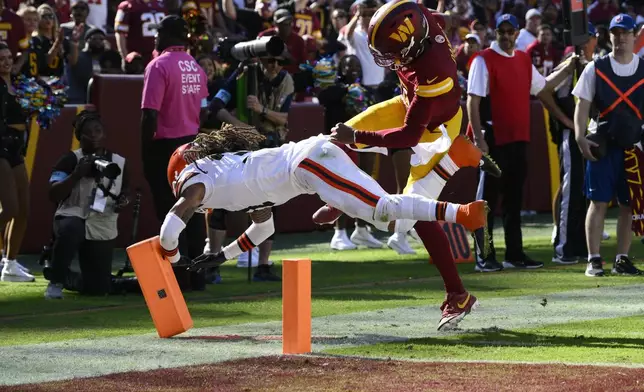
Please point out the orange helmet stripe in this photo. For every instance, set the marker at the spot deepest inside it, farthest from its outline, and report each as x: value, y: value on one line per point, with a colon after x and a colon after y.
x: 375, y: 28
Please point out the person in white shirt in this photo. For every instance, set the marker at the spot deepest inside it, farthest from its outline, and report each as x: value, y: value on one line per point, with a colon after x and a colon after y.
x: 354, y: 37
x: 528, y: 34
x: 604, y: 83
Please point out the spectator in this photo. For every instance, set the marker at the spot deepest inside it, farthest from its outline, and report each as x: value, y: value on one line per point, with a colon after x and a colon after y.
x: 481, y: 31
x: 305, y: 21
x: 465, y: 53
x: 14, y: 192
x: 81, y: 68
x: 88, y: 205
x: 12, y: 31
x: 569, y: 209
x: 30, y: 18
x: 354, y: 37
x: 174, y: 90
x: 600, y: 12
x: 294, y: 43
x: 508, y: 77
x: 542, y: 51
x: 80, y: 10
x: 134, y: 27
x: 604, y: 83
x: 528, y: 34
x: 45, y: 54
x: 134, y: 64
x: 331, y: 45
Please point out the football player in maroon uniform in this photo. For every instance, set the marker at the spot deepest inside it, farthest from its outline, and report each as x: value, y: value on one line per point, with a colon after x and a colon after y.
x: 427, y: 117
x: 135, y: 24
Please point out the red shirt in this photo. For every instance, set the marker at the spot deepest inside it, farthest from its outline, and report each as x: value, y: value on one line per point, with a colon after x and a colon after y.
x: 135, y: 18
x: 510, y: 80
x: 306, y: 22
x: 543, y: 58
x: 430, y: 90
x: 296, y: 48
x: 12, y: 31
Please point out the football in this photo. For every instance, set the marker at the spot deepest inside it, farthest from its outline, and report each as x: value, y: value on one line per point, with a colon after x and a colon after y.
x: 326, y: 215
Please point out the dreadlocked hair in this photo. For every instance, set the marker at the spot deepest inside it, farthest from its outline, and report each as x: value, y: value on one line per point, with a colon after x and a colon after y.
x: 229, y: 138
x: 83, y: 118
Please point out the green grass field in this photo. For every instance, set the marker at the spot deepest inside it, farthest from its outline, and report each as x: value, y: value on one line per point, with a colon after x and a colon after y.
x: 356, y: 281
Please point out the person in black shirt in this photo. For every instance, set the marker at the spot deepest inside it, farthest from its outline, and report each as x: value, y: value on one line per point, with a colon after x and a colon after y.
x: 14, y: 192
x: 44, y: 59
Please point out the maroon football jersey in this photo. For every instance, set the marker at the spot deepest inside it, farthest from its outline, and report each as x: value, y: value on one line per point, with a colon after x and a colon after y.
x: 12, y: 31
x: 543, y: 58
x: 136, y: 19
x: 306, y: 22
x: 433, y: 74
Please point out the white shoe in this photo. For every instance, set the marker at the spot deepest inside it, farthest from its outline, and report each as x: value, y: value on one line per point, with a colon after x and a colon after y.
x: 54, y: 291
x: 22, y: 267
x: 11, y: 272
x: 398, y: 242
x: 415, y: 235
x: 605, y: 236
x: 362, y: 236
x: 340, y: 241
x: 242, y: 260
x: 206, y: 248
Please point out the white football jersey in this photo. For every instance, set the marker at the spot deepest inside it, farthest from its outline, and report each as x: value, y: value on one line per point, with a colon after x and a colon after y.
x: 249, y: 180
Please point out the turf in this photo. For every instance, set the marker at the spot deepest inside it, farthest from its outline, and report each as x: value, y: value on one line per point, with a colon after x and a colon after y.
x: 342, y: 283
x: 616, y: 341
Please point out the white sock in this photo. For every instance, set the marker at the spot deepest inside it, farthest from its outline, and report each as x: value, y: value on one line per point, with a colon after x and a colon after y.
x: 592, y: 256
x: 620, y: 255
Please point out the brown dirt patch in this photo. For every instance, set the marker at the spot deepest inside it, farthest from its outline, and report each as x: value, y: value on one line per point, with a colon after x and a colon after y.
x: 310, y: 374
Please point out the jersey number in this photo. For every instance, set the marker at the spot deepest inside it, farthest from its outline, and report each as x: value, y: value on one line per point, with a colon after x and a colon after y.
x: 305, y: 27
x: 148, y: 20
x: 33, y: 64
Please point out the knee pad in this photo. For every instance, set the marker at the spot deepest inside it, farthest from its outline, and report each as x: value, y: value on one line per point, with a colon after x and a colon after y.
x: 217, y: 220
x: 395, y: 207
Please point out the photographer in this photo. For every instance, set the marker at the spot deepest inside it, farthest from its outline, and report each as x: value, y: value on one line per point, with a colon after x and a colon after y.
x: 89, y: 186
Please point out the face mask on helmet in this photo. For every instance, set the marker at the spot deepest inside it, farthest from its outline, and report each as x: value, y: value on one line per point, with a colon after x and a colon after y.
x: 397, y: 34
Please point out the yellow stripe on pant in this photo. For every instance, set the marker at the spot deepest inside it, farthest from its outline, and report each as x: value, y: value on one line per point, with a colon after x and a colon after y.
x: 32, y: 146
x: 553, y: 158
x: 391, y: 114
x: 76, y: 142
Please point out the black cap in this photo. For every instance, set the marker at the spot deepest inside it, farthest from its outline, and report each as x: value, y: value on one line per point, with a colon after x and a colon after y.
x: 93, y: 31
x: 174, y: 26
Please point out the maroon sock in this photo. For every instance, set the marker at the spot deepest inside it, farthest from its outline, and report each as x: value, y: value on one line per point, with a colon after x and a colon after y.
x: 437, y: 245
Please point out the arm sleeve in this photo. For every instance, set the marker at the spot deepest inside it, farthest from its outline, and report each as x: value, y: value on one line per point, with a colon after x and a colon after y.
x: 419, y: 117
x: 153, y: 88
x: 538, y: 81
x: 478, y: 79
x: 585, y: 87
x: 63, y: 168
x: 121, y: 21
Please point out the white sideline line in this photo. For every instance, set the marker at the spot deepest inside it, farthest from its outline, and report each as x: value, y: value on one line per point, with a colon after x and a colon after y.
x: 94, y: 357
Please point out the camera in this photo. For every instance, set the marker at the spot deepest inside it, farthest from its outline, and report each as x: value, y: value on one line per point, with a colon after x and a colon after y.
x: 107, y: 169
x: 231, y: 50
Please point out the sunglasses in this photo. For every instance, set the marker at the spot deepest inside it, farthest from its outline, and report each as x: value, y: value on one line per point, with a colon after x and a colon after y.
x: 505, y: 31
x: 47, y: 16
